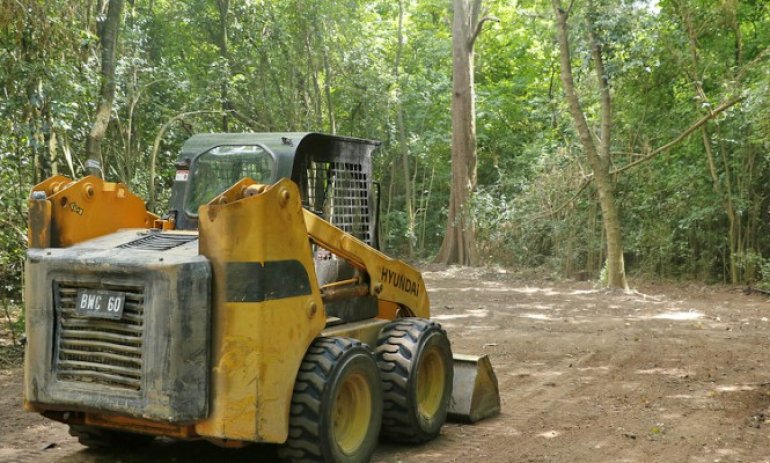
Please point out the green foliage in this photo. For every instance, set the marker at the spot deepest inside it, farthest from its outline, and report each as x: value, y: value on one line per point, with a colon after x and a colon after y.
x: 317, y: 65
x: 674, y: 209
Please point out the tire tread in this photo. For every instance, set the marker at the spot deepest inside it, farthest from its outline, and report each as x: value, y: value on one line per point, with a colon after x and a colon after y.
x: 304, y: 444
x: 397, y: 345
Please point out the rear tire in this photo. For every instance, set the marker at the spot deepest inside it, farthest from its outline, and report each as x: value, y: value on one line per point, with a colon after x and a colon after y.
x: 101, y: 438
x: 415, y: 361
x: 336, y: 409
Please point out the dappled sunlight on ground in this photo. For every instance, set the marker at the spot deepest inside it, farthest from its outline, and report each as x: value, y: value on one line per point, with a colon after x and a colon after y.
x: 664, y: 371
x: 535, y: 316
x: 684, y: 316
x: 735, y: 388
x: 466, y: 314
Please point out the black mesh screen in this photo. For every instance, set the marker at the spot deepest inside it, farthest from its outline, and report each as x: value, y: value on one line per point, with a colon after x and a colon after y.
x: 338, y: 192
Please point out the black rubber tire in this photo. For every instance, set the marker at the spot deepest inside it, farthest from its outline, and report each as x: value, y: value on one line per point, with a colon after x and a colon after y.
x: 101, y: 438
x: 330, y: 364
x: 401, y: 349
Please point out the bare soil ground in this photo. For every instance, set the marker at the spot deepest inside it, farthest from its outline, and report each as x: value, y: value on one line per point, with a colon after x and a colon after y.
x: 668, y: 374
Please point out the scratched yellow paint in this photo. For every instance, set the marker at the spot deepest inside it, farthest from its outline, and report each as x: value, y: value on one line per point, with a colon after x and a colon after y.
x: 257, y: 346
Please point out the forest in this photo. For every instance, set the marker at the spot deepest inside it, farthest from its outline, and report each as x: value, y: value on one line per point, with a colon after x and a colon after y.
x: 607, y: 137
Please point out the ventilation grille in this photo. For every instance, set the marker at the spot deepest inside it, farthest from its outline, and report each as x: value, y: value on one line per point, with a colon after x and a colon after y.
x: 97, y: 350
x: 159, y: 241
x: 338, y: 192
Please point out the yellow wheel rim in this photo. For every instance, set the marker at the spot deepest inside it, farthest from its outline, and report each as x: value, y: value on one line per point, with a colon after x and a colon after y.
x: 352, y: 412
x: 430, y: 383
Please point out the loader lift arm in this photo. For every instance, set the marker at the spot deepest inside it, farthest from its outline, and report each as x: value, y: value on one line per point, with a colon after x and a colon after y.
x: 389, y: 279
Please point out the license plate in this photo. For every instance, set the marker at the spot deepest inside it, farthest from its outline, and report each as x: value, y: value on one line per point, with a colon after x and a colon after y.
x: 100, y: 304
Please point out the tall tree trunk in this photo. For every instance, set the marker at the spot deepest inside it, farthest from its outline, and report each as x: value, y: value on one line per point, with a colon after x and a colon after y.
x: 459, y: 245
x: 598, y: 156
x: 108, y: 39
x: 403, y: 149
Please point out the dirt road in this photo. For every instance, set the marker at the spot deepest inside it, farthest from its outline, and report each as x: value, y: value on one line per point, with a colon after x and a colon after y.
x: 669, y: 374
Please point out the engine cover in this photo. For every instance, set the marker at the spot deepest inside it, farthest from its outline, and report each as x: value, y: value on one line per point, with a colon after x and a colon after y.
x: 150, y: 360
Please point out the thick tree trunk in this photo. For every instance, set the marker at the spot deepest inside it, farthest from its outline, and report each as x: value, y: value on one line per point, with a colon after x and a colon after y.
x: 108, y: 38
x: 598, y: 157
x: 616, y: 271
x: 459, y: 245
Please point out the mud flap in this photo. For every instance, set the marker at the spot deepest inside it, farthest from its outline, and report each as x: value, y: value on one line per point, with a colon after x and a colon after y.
x: 475, y: 394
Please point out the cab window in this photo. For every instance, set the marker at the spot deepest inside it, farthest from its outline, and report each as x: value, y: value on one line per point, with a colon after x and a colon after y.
x: 219, y: 168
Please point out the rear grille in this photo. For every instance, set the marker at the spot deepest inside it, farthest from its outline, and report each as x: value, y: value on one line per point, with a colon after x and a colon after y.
x: 159, y: 241
x: 97, y: 350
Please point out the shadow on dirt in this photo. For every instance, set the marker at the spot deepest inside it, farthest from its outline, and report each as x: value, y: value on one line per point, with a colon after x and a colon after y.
x: 176, y: 452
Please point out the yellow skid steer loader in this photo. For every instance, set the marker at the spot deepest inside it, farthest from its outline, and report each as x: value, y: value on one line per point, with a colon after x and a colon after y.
x: 258, y: 309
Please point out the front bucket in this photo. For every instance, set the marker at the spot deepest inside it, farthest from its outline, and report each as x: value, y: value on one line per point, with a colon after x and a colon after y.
x: 475, y: 395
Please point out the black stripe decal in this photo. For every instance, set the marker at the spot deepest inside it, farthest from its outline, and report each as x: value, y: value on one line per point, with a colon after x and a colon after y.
x: 257, y: 282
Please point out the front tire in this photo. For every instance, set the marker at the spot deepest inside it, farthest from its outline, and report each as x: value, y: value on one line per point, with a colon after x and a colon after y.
x: 336, y: 409
x: 415, y: 361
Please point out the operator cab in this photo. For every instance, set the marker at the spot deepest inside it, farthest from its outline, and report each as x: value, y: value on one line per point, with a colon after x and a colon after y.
x: 334, y: 175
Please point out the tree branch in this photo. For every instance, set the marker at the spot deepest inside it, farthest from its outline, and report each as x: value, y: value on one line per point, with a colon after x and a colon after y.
x: 583, y: 185
x: 244, y: 119
x: 589, y: 178
x: 628, y: 153
x: 156, y: 147
x: 569, y: 10
x: 479, y: 26
x: 681, y: 136
x: 745, y: 68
